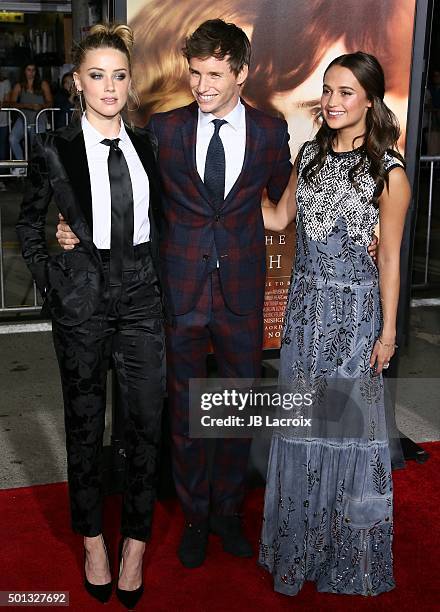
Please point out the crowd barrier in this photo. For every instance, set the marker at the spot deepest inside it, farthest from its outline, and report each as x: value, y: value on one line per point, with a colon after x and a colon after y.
x: 433, y: 163
x: 6, y: 165
x: 46, y: 118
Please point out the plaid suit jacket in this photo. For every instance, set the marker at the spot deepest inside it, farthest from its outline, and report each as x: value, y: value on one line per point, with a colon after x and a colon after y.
x: 192, y: 224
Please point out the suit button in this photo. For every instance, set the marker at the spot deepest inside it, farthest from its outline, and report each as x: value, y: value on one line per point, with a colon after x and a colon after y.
x: 205, y: 257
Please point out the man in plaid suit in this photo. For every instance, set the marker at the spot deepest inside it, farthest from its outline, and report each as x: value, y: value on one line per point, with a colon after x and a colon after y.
x: 213, y: 265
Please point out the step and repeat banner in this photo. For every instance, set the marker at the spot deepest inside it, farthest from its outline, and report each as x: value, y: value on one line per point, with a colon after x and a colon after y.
x: 292, y: 43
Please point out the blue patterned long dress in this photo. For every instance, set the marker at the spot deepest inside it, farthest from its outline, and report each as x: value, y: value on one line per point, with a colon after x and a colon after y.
x: 328, y: 514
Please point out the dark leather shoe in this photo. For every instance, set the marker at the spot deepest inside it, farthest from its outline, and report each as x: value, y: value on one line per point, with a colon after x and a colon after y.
x: 193, y: 545
x: 230, y: 530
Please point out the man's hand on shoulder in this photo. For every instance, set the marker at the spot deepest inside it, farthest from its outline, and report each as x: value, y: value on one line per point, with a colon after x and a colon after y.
x: 66, y: 238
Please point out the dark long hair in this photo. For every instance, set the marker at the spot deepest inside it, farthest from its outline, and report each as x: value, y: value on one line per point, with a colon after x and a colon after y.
x: 382, y: 128
x: 37, y: 79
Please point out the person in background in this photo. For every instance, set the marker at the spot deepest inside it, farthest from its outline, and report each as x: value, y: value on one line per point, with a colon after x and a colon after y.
x: 5, y: 88
x: 64, y: 99
x: 30, y: 95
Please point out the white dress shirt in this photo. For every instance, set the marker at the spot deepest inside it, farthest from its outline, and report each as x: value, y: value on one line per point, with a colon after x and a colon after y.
x: 233, y: 137
x: 97, y: 156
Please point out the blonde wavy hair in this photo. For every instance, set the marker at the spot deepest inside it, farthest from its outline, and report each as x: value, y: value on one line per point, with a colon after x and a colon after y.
x: 161, y: 26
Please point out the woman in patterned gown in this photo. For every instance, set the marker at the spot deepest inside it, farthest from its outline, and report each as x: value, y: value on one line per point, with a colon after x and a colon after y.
x: 328, y: 504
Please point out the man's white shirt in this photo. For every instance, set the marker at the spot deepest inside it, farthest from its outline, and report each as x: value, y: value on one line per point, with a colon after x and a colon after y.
x: 233, y: 137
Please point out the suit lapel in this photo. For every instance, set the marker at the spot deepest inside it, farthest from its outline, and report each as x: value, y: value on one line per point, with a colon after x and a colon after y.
x: 73, y: 156
x: 189, y: 137
x: 146, y: 155
x: 254, y: 138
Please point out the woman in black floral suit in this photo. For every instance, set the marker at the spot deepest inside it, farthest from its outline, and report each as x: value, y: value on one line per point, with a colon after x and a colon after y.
x: 103, y: 296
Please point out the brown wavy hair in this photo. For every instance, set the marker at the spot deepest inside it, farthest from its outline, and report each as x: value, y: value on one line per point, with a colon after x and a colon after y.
x: 216, y: 38
x: 382, y: 128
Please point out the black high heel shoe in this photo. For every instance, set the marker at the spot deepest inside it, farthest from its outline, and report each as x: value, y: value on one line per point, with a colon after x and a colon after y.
x: 101, y: 592
x: 129, y: 599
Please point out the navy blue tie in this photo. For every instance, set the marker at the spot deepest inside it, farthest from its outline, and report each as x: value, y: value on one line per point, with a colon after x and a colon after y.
x: 121, y: 242
x: 215, y: 166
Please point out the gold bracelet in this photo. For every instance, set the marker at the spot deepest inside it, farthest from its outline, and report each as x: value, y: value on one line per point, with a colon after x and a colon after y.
x: 388, y: 345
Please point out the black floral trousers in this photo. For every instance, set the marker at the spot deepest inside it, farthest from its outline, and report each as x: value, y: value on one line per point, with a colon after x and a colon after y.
x: 126, y: 331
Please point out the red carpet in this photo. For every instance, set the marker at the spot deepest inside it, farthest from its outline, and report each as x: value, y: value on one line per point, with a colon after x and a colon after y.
x: 39, y: 552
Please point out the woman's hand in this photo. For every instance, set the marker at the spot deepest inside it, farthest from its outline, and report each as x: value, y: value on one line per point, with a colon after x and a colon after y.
x: 383, y: 350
